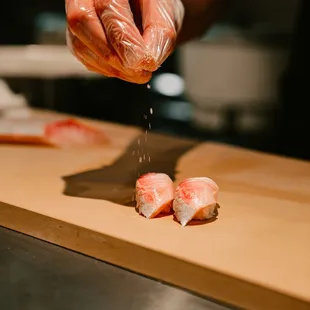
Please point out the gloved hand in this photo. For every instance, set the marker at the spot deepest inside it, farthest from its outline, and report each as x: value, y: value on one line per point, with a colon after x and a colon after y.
x: 127, y: 39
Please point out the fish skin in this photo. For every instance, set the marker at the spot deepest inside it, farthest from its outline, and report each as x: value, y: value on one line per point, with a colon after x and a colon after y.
x: 154, y: 194
x: 195, y: 198
x: 72, y: 133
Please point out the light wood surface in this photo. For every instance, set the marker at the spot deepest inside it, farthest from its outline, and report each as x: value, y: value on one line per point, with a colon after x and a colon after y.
x: 256, y: 255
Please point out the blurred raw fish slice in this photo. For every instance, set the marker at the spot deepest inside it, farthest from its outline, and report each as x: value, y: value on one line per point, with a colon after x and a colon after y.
x: 72, y: 133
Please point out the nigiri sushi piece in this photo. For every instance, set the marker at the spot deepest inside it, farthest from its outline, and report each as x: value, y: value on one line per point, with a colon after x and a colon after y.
x: 154, y: 194
x: 72, y: 133
x: 195, y: 199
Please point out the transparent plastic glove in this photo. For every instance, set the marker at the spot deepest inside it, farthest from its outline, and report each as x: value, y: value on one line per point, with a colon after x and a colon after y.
x: 106, y: 37
x: 161, y: 21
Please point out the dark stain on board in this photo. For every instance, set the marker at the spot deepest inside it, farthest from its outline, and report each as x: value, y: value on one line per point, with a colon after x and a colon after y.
x: 116, y: 182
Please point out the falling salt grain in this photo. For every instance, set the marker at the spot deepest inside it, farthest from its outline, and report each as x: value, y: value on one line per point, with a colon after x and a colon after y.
x: 148, y: 86
x: 139, y: 141
x: 140, y: 159
x: 149, y: 125
x: 133, y: 153
x: 151, y: 110
x: 149, y: 159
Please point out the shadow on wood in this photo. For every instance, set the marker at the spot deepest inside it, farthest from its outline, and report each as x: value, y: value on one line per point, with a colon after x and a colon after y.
x: 116, y: 183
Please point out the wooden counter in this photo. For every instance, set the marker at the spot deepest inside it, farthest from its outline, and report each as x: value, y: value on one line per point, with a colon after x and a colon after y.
x: 256, y: 255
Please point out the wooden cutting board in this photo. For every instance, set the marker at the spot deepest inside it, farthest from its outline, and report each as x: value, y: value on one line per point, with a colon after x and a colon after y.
x: 256, y: 255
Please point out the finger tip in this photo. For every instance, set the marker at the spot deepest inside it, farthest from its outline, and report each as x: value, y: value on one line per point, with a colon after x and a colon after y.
x: 140, y: 77
x: 145, y: 77
x: 148, y: 63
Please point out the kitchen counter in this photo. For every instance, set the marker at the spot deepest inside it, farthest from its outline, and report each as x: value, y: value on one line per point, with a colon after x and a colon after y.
x: 78, y: 199
x: 39, y: 275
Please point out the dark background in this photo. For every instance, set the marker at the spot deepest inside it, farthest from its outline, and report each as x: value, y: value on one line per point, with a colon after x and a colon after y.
x: 114, y: 100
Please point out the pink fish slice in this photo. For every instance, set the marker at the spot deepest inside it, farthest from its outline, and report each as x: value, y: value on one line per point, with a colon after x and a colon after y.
x: 195, y: 198
x: 154, y: 194
x: 73, y: 133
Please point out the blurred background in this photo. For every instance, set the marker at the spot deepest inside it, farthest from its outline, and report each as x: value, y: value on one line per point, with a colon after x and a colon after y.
x: 226, y: 87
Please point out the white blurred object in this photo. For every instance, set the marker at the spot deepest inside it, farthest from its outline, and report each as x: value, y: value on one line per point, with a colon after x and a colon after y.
x: 169, y: 84
x: 210, y: 120
x: 239, y: 68
x: 12, y: 105
x: 231, y: 74
x: 20, y: 113
x: 42, y: 61
x: 250, y: 121
x: 8, y: 99
x: 239, y: 75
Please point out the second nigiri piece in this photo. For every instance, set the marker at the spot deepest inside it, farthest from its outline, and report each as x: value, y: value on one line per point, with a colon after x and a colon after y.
x: 195, y: 198
x: 154, y: 194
